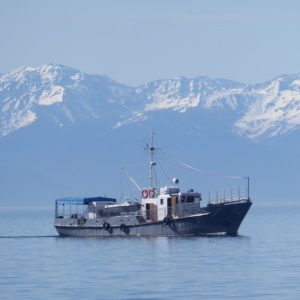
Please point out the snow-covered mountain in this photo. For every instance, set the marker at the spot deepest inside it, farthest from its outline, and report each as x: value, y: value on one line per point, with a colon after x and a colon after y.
x: 66, y: 95
x: 264, y: 110
x: 62, y: 94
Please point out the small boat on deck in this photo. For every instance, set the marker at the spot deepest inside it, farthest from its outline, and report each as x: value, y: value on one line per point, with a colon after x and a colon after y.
x: 162, y: 211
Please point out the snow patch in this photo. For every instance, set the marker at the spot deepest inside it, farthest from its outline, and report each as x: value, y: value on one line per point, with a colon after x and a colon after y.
x: 77, y: 77
x: 271, y: 115
x: 295, y: 83
x: 138, y: 117
x: 18, y: 120
x: 51, y: 96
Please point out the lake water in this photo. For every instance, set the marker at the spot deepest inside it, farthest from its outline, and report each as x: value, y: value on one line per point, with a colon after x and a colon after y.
x: 263, y: 262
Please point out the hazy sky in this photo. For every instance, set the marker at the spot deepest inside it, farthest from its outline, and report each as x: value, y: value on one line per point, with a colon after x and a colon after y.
x: 138, y: 41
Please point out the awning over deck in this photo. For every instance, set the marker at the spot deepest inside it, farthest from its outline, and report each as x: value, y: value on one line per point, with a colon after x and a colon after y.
x: 82, y: 201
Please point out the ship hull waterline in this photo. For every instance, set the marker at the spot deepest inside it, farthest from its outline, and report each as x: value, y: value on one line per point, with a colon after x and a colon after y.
x: 211, y: 220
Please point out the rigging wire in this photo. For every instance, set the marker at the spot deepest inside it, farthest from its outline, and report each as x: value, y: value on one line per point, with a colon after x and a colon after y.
x: 161, y: 155
x: 155, y: 177
x: 131, y: 179
x: 163, y: 170
x: 128, y: 186
x: 121, y: 192
x: 127, y: 183
x: 186, y: 166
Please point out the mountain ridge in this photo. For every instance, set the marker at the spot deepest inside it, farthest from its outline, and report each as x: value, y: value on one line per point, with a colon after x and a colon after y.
x: 257, y: 112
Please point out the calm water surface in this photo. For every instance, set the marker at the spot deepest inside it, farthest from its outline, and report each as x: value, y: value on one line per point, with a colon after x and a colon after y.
x: 263, y: 262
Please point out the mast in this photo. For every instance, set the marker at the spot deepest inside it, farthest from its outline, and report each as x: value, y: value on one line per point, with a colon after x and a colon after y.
x: 152, y: 163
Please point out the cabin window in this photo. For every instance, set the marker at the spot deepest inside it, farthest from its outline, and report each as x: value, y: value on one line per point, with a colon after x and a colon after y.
x: 161, y: 201
x: 190, y: 199
x: 183, y: 199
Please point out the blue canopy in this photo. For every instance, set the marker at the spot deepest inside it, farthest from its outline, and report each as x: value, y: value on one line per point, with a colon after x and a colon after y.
x: 81, y: 200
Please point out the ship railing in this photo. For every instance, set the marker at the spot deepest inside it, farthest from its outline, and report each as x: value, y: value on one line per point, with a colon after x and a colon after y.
x: 226, y: 196
x: 114, y: 211
x: 189, y: 209
x: 173, y: 212
x: 77, y: 211
x: 154, y: 214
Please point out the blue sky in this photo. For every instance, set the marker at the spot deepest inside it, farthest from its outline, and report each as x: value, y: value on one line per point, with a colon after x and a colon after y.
x: 138, y: 41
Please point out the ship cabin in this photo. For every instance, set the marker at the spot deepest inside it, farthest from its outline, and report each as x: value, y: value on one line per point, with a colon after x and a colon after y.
x: 79, y: 207
x: 159, y: 203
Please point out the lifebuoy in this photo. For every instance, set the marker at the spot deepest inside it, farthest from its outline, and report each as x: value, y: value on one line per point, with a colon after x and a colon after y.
x: 106, y: 225
x: 123, y: 227
x: 151, y: 193
x: 144, y: 193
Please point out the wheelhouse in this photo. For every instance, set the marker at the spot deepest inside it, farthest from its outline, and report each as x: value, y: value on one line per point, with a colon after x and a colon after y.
x: 170, y: 202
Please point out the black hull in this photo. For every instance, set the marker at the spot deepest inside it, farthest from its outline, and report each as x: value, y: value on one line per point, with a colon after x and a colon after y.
x: 218, y: 219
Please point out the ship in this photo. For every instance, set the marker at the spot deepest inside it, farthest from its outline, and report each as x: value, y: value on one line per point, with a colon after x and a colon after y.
x: 161, y: 211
